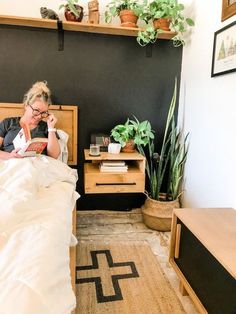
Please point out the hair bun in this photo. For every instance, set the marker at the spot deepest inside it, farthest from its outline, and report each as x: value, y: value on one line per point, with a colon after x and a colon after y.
x: 38, y: 90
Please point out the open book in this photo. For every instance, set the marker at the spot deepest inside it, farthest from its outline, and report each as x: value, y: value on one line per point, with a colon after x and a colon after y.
x: 29, y: 147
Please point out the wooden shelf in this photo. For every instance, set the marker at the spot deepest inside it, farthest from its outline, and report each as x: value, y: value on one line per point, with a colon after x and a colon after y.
x: 107, y: 156
x: 93, y: 168
x: 76, y: 26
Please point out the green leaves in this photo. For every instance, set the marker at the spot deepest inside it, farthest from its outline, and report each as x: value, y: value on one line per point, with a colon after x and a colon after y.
x: 71, y: 6
x: 171, y: 160
x: 189, y: 21
x: 169, y: 9
x: 147, y: 36
x: 143, y: 132
x: 140, y: 132
x: 114, y: 7
x: 123, y: 132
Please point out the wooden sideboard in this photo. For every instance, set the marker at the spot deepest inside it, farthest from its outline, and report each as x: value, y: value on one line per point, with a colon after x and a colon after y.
x: 203, y: 254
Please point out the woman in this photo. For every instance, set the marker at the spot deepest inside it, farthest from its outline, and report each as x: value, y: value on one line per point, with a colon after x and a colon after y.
x: 36, y: 103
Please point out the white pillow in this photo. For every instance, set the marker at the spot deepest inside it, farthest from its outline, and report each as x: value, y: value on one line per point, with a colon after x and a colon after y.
x: 63, y: 139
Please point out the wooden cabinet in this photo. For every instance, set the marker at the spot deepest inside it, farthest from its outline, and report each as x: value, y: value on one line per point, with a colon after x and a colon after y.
x: 203, y: 254
x: 114, y: 182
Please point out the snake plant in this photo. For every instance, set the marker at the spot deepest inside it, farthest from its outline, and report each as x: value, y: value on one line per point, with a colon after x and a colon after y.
x: 171, y: 160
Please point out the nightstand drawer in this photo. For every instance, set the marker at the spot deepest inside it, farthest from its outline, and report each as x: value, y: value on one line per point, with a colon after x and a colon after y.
x: 114, y: 182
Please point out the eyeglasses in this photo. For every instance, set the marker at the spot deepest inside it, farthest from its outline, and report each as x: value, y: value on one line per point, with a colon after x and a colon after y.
x: 36, y: 112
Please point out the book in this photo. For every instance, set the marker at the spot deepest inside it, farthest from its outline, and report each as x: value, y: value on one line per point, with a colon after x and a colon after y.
x: 113, y: 163
x: 29, y: 147
x: 113, y: 169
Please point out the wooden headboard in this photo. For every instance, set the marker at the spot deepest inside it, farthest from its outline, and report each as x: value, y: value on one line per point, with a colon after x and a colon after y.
x: 67, y: 121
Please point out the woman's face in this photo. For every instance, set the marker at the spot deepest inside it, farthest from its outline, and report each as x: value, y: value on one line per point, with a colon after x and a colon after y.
x: 36, y: 112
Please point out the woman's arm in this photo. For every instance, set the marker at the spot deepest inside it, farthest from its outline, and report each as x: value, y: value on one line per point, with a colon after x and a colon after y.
x: 53, y: 147
x: 6, y: 155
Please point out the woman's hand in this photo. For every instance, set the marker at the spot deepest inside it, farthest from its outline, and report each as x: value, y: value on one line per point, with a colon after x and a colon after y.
x: 14, y: 154
x: 51, y: 121
x: 53, y: 147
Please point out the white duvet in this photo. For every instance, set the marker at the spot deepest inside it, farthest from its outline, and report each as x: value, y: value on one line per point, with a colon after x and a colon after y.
x: 37, y: 196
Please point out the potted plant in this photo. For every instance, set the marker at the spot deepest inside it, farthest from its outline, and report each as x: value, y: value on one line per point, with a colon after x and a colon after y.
x: 132, y: 133
x: 73, y: 11
x: 158, y: 207
x: 163, y: 15
x: 127, y: 10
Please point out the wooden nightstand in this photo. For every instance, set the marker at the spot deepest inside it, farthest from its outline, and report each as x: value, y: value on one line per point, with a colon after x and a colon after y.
x: 114, y: 182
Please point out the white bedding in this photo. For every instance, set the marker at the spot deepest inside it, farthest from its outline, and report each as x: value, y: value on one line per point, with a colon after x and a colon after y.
x: 37, y: 196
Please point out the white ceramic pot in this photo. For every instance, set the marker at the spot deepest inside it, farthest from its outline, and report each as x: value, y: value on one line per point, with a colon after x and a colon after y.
x: 114, y: 148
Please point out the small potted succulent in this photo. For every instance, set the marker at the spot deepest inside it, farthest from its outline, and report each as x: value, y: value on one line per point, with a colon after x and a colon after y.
x: 73, y: 11
x: 163, y: 15
x: 127, y: 10
x: 132, y: 133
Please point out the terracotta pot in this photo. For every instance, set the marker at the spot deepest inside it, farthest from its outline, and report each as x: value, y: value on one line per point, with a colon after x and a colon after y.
x: 157, y: 215
x: 129, y: 147
x: 162, y: 23
x: 128, y: 18
x: 73, y: 18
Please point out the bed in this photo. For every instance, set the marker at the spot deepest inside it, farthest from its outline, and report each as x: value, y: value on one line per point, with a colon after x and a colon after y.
x: 37, y: 223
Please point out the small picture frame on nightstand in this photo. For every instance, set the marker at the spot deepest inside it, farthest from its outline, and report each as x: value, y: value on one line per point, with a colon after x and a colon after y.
x: 101, y: 139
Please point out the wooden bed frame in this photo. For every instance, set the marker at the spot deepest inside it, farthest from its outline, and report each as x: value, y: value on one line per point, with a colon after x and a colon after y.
x: 67, y: 121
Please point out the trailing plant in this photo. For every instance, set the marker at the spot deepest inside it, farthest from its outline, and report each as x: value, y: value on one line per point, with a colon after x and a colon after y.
x: 148, y: 35
x: 168, y: 9
x: 169, y: 162
x: 140, y: 132
x: 71, y: 6
x: 115, y: 6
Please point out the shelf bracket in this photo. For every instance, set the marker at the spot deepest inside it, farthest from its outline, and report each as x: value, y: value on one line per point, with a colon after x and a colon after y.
x: 60, y: 35
x: 149, y: 50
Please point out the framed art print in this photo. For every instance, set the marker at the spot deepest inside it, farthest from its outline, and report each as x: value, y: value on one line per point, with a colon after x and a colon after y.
x: 101, y: 139
x: 224, y: 50
x: 228, y: 9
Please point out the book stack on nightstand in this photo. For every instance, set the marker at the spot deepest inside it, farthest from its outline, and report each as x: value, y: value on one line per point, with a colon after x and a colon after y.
x: 113, y: 166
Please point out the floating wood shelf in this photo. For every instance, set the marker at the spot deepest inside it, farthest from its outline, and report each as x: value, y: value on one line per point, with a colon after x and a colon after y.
x: 76, y: 26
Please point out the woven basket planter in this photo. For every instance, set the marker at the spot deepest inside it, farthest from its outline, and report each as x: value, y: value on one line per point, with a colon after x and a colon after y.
x: 157, y: 215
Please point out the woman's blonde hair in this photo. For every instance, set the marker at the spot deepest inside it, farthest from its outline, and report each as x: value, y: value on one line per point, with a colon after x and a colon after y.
x: 39, y: 90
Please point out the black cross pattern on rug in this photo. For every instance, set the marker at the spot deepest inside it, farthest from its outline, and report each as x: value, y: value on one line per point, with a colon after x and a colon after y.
x: 114, y: 278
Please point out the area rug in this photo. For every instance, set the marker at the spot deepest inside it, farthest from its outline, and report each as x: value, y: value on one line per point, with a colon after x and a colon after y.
x: 122, y: 278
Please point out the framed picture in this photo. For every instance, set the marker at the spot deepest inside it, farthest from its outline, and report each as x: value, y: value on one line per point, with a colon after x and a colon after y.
x: 228, y: 9
x: 101, y: 139
x: 224, y: 50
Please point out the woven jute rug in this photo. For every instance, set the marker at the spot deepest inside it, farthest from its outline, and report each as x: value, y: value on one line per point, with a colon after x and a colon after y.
x: 124, y: 278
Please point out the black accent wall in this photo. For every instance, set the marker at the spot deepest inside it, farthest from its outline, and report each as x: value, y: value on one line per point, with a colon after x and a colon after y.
x: 109, y: 77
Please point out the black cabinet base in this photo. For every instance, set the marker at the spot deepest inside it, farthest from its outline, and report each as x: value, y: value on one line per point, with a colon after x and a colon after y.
x: 113, y: 201
x: 211, y: 282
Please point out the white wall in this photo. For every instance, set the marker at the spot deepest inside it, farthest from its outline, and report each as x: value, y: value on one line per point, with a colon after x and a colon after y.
x: 31, y: 8
x: 207, y: 105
